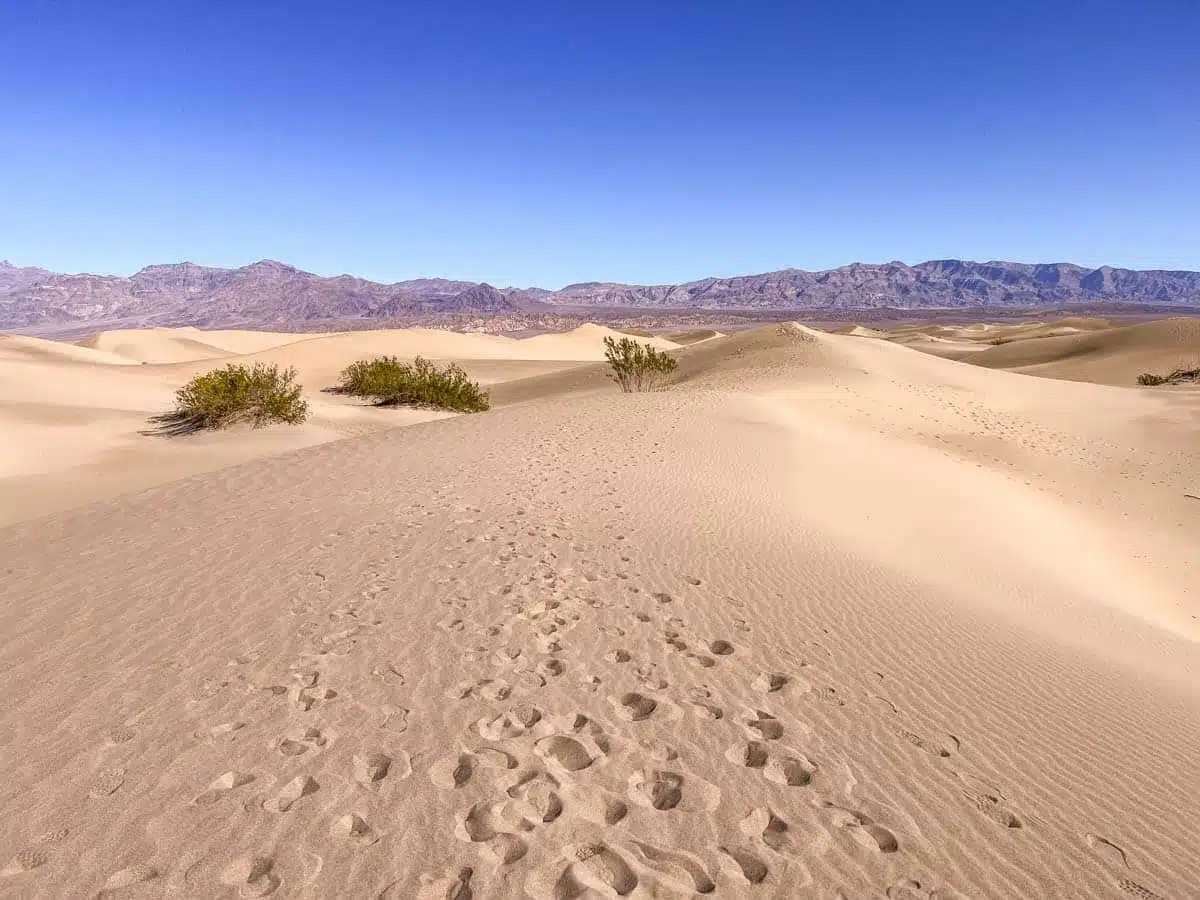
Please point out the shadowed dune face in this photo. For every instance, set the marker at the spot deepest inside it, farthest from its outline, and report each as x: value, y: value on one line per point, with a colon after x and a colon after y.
x: 1080, y: 349
x: 829, y: 613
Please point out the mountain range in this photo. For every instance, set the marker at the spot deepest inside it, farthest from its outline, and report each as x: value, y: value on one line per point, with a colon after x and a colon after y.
x: 269, y: 292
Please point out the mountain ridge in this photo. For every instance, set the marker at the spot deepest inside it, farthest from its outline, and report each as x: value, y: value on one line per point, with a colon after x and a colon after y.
x: 269, y: 291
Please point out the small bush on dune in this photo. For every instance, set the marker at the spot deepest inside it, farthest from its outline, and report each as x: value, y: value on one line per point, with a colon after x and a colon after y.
x: 1179, y: 375
x: 638, y: 367
x: 369, y: 377
x: 389, y: 382
x: 259, y: 396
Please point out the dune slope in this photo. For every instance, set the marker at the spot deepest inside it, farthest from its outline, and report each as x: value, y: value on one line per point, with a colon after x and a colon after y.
x: 73, y: 414
x: 1073, y: 349
x: 831, y: 618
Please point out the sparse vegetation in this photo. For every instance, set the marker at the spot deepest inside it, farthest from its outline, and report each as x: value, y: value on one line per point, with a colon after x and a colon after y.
x: 260, y: 396
x: 1179, y: 375
x: 387, y: 381
x: 638, y: 367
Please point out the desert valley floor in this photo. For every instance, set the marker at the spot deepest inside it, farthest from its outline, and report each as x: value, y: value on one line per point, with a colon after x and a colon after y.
x: 866, y: 615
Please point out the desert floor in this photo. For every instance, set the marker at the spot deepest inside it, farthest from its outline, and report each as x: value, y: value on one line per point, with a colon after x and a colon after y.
x: 893, y: 614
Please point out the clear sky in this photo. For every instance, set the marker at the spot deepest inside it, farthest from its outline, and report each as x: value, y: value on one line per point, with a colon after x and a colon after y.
x: 528, y: 143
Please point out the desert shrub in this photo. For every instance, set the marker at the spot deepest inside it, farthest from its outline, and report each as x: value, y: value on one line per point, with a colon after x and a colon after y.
x: 389, y: 382
x: 371, y: 377
x: 637, y: 367
x: 1179, y: 375
x: 237, y: 393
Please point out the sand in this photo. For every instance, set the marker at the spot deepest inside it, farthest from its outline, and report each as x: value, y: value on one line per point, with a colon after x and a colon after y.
x: 832, y: 617
x: 73, y: 414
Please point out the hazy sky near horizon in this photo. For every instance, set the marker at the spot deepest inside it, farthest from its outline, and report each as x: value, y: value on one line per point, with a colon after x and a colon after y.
x: 529, y: 143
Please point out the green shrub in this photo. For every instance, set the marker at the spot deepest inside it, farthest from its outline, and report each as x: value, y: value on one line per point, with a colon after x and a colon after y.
x: 637, y: 367
x: 389, y: 382
x: 1151, y: 380
x: 259, y: 395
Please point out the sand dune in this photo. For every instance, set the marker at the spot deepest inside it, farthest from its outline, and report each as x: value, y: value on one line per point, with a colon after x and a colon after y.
x: 73, y: 413
x: 1075, y: 349
x: 830, y: 618
x: 20, y: 348
x: 1111, y: 356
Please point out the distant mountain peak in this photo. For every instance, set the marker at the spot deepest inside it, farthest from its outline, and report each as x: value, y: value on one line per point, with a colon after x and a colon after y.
x: 271, y: 265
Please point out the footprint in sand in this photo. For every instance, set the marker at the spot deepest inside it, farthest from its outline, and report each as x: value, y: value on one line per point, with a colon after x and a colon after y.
x: 354, y: 828
x: 920, y: 743
x: 750, y: 755
x: 538, y: 800
x: 307, y: 698
x: 512, y: 724
x: 582, y: 869
x: 830, y: 696
x: 656, y: 788
x: 649, y: 678
x: 370, y: 769
x: 571, y: 754
x: 296, y: 789
x: 446, y: 887
x: 596, y: 805
x: 860, y: 824
x: 251, y: 875
x: 300, y: 742
x: 1131, y: 887
x: 988, y: 800
x: 743, y: 865
x: 763, y: 726
x: 769, y: 682
x: 482, y: 824
x: 677, y: 869
x: 789, y: 770
x: 633, y: 707
x: 992, y: 806
x: 221, y: 787
x: 117, y: 882
x: 765, y: 825
x: 720, y: 648
x: 708, y: 711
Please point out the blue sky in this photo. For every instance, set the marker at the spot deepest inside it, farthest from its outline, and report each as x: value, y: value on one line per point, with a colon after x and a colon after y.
x: 544, y: 143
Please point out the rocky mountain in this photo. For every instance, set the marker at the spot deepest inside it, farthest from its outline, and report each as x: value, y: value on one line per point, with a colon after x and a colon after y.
x: 940, y: 284
x: 268, y: 292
